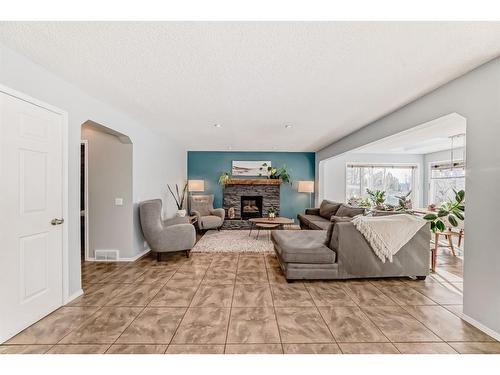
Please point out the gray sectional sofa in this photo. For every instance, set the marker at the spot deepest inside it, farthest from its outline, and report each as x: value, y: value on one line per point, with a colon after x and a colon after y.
x: 319, y: 218
x: 341, y: 252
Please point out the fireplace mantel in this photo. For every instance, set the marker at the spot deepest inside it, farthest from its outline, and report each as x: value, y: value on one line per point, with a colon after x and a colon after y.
x: 253, y: 181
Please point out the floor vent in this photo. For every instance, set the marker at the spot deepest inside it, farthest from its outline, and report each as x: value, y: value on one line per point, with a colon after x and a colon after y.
x: 107, y: 255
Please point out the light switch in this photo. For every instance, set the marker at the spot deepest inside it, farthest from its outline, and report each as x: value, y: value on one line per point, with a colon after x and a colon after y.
x: 118, y: 201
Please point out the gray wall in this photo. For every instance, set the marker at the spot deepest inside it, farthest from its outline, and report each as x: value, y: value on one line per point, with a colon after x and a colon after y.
x: 476, y: 96
x: 157, y: 159
x: 109, y: 177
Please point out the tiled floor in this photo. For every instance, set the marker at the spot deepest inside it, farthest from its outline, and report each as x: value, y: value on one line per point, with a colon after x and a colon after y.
x: 230, y: 303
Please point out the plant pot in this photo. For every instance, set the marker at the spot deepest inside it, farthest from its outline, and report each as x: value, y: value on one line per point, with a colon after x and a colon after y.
x: 181, y: 213
x: 272, y: 215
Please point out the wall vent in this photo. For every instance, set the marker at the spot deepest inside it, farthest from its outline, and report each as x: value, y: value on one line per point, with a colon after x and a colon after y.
x: 107, y: 255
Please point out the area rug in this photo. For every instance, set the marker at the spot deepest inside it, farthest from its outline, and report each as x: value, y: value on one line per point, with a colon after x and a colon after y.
x: 234, y: 241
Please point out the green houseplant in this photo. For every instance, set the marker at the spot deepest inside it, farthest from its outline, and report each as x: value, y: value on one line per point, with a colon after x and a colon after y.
x: 453, y: 211
x: 404, y: 202
x: 280, y: 173
x: 179, y: 198
x: 271, y: 211
x: 224, y: 178
x: 377, y: 198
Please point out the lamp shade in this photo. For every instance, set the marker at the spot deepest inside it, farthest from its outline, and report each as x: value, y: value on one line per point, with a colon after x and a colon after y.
x: 306, y: 187
x: 196, y: 185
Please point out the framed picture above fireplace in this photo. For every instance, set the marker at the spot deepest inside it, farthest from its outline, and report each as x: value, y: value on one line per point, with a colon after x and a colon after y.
x: 250, y: 168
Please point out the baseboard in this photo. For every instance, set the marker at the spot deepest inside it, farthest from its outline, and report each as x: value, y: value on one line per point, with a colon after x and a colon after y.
x: 75, y: 295
x: 481, y: 327
x: 131, y: 259
x: 134, y: 258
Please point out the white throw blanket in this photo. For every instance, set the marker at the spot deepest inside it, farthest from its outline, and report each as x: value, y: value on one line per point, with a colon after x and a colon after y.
x: 388, y: 234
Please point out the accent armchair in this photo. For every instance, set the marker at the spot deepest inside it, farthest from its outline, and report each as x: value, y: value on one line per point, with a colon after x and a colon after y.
x: 203, y: 207
x: 165, y: 235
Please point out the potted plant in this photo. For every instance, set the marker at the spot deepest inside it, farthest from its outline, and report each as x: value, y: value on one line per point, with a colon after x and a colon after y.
x: 453, y: 211
x: 271, y: 212
x: 377, y: 198
x: 224, y: 178
x: 404, y: 202
x: 279, y: 173
x: 179, y: 198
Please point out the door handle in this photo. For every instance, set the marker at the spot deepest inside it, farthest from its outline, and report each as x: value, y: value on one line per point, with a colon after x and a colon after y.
x: 57, y: 221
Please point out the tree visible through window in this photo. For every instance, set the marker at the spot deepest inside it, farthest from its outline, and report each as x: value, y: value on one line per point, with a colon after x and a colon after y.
x: 395, y: 180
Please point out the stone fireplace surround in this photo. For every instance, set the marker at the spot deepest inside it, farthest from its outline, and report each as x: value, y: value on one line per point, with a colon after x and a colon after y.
x: 236, y: 188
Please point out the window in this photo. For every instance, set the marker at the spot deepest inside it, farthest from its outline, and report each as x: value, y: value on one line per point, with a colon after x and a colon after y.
x: 444, y: 178
x: 395, y: 180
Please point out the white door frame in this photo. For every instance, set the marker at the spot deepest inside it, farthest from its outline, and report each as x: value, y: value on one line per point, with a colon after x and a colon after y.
x: 85, y: 144
x: 65, y: 208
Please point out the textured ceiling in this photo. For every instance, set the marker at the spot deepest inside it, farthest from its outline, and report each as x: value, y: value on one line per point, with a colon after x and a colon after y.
x: 327, y: 79
x: 429, y: 137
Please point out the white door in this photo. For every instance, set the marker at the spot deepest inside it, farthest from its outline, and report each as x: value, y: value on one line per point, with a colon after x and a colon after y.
x: 31, y: 182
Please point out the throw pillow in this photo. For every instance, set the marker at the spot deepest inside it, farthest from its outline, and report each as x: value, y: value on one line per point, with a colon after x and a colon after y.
x: 349, y: 211
x: 328, y: 208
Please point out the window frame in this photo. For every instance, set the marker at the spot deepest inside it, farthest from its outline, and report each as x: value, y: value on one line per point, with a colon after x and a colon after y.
x: 415, y: 186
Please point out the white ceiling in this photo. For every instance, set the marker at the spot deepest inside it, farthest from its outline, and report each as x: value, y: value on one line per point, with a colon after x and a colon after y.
x: 432, y: 136
x: 327, y: 79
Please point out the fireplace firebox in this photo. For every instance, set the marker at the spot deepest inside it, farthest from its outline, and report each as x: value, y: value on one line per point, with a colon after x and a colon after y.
x: 251, y: 206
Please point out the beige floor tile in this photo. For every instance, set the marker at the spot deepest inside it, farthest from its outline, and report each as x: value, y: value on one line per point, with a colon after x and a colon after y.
x: 219, y: 277
x: 398, y: 325
x: 444, y: 276
x: 291, y: 295
x: 252, y: 325
x: 97, y: 294
x: 203, y: 325
x: 275, y: 276
x: 78, y: 349
x: 55, y: 326
x: 135, y: 295
x: 365, y: 294
x: 439, y: 293
x: 251, y: 277
x: 458, y: 310
x: 329, y: 294
x: 136, y: 349
x: 425, y: 348
x: 311, y: 349
x: 156, y: 275
x: 404, y: 295
x: 174, y: 294
x: 254, y: 349
x: 384, y: 282
x: 24, y: 349
x: 302, y: 325
x: 476, y: 347
x: 350, y: 324
x: 213, y: 296
x: 124, y: 275
x: 154, y: 325
x: 252, y: 295
x: 446, y: 325
x: 368, y: 348
x: 105, y: 326
x: 195, y: 349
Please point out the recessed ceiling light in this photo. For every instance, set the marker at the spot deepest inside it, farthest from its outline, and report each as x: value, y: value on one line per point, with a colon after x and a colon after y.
x: 288, y: 126
x: 217, y: 126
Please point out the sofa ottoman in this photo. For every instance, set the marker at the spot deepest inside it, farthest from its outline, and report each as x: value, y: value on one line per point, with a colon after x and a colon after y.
x: 304, y: 254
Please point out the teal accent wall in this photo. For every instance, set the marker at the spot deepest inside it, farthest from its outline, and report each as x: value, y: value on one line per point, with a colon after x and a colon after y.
x: 208, y: 165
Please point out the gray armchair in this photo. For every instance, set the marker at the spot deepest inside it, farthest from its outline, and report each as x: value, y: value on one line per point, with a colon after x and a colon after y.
x: 203, y: 207
x: 165, y: 235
